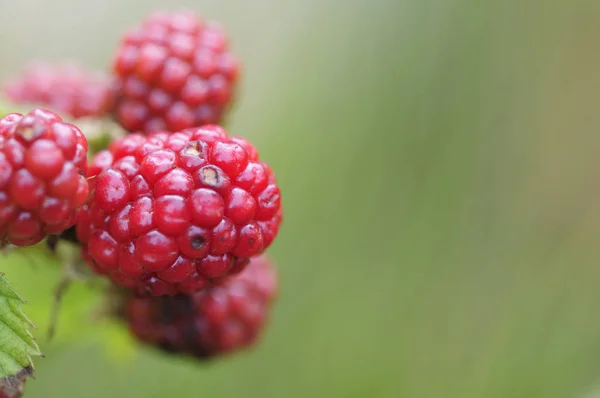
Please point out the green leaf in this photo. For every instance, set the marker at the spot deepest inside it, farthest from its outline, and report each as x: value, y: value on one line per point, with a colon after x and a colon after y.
x: 17, y: 345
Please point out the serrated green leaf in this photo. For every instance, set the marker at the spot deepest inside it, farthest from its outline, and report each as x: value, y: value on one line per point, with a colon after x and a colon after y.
x: 17, y: 311
x: 17, y: 345
x: 7, y: 292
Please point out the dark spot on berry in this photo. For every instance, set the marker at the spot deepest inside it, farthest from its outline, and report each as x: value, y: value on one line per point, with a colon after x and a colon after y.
x: 193, y: 148
x: 270, y: 199
x: 210, y: 176
x: 28, y: 133
x: 251, y: 241
x: 197, y: 242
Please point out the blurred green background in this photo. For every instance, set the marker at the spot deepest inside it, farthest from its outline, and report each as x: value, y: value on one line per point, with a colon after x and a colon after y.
x: 440, y: 171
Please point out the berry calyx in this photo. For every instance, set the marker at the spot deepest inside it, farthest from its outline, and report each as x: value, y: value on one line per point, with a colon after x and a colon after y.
x: 42, y: 176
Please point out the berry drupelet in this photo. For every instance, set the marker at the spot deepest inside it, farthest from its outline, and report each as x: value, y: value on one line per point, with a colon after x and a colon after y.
x: 67, y: 88
x: 174, y: 71
x: 42, y: 176
x: 218, y: 320
x: 170, y: 213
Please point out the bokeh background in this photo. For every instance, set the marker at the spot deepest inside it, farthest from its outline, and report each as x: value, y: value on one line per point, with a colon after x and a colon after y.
x: 439, y: 161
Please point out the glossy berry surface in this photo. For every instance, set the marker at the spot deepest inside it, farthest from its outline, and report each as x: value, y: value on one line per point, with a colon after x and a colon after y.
x: 42, y: 176
x: 171, y: 213
x: 218, y: 320
x: 174, y: 71
x: 66, y: 88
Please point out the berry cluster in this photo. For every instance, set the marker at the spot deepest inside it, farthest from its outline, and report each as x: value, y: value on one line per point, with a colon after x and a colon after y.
x: 173, y: 71
x: 174, y: 212
x: 171, y: 212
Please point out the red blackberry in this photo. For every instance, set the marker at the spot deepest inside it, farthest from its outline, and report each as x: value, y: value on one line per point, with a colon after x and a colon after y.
x: 66, y: 88
x: 42, y: 176
x: 217, y: 320
x: 174, y: 72
x: 172, y: 212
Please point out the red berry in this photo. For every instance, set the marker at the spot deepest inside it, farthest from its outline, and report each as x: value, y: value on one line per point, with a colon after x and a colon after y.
x: 112, y: 190
x: 42, y: 181
x: 207, y: 207
x: 218, y: 320
x: 173, y: 72
x: 67, y: 88
x: 176, y: 220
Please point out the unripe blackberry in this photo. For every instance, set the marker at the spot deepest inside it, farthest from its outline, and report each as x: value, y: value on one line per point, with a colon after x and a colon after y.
x: 174, y: 71
x: 42, y: 176
x: 171, y: 213
x: 67, y: 88
x: 221, y: 319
